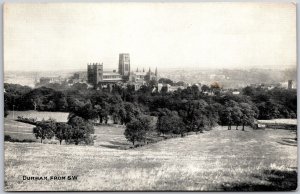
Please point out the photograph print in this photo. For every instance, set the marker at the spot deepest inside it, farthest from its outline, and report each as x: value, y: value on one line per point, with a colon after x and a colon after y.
x: 152, y: 96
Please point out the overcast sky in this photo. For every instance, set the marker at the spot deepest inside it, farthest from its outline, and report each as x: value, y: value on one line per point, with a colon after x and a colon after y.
x: 186, y: 35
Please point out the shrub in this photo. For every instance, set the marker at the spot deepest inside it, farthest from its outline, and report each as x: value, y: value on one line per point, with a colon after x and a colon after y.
x: 7, y: 138
x: 10, y: 139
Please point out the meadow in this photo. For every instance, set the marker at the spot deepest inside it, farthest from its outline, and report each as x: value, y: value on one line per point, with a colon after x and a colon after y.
x: 217, y: 160
x: 39, y: 115
x: 23, y: 131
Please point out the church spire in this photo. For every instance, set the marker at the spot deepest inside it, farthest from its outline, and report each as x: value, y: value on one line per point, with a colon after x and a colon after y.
x: 156, y: 71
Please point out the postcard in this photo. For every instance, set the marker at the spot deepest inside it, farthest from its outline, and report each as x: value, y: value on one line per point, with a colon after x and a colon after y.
x: 174, y: 96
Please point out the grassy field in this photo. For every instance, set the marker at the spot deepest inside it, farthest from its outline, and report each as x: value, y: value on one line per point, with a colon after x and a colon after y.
x: 58, y: 116
x: 18, y: 130
x: 23, y: 131
x: 216, y: 160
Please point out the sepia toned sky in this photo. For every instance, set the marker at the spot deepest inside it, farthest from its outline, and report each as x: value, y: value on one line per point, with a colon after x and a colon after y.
x: 167, y: 35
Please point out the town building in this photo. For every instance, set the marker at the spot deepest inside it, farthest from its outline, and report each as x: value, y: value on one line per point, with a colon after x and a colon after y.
x: 50, y: 80
x: 290, y: 84
x: 78, y: 77
x: 168, y: 87
x: 235, y: 92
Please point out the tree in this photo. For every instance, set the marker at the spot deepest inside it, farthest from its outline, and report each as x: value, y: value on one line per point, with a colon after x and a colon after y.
x: 164, y: 122
x: 80, y: 86
x: 131, y: 111
x: 216, y: 110
x: 226, y: 117
x: 248, y: 90
x: 213, y: 112
x: 195, y: 91
x: 5, y: 105
x: 63, y: 132
x: 268, y: 110
x: 81, y: 130
x: 128, y: 93
x: 137, y: 129
x: 237, y: 115
x: 115, y: 112
x: 195, y: 117
x: 115, y: 106
x: 232, y: 114
x: 39, y: 98
x: 152, y: 83
x: 83, y: 110
x: 165, y: 81
x: 248, y: 114
x: 116, y: 89
x: 50, y: 106
x: 164, y: 90
x: 45, y: 129
x: 215, y: 86
x: 103, y: 111
x: 5, y: 111
x: 180, y: 83
x: 60, y: 101
x: 170, y: 123
x: 205, y: 88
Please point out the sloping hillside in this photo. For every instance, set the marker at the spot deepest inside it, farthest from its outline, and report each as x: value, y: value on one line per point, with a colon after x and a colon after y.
x: 216, y: 160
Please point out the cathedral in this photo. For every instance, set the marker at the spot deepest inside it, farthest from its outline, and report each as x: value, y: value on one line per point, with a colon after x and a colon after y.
x: 96, y: 75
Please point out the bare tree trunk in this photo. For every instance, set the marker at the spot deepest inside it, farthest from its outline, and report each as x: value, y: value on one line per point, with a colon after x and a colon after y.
x: 237, y: 127
x: 243, y: 127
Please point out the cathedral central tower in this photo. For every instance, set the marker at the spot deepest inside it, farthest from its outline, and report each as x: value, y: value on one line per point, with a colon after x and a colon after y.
x: 124, y: 64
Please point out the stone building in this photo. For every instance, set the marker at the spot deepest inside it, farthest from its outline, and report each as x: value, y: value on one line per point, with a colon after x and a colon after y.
x: 124, y: 65
x: 94, y: 73
x: 97, y: 77
x: 142, y: 76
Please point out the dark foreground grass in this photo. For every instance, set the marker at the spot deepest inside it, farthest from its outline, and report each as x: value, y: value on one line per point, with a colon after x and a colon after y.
x: 218, y: 160
x: 271, y: 180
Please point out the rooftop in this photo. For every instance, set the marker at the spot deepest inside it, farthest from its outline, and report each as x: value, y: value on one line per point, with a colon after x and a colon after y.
x: 111, y: 73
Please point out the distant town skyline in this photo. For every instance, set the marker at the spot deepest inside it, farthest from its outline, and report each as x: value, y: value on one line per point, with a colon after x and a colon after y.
x: 164, y: 35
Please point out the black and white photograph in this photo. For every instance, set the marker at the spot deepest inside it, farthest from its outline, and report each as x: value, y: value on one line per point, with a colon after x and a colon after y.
x: 150, y: 96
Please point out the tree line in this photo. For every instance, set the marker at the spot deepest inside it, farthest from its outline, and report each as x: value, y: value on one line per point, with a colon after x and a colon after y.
x: 178, y: 112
